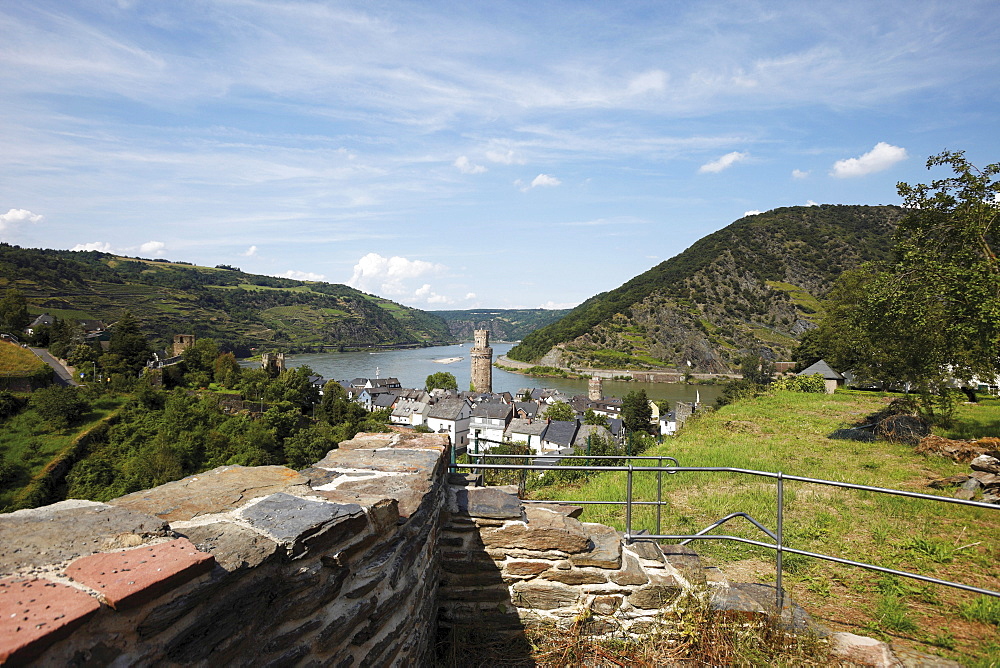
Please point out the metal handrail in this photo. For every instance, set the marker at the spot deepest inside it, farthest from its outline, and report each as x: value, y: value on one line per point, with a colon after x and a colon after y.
x: 777, y: 536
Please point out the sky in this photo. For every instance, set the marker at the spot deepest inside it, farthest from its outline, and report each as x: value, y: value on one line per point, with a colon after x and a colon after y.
x: 451, y: 155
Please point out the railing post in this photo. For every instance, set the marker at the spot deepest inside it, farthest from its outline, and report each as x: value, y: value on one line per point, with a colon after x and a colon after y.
x: 779, y: 594
x: 659, y: 493
x: 628, y: 506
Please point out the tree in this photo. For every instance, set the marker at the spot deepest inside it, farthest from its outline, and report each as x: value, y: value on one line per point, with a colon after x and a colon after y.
x: 932, y: 315
x: 442, y: 380
x: 757, y: 369
x: 14, y: 312
x: 597, y: 419
x: 201, y: 356
x: 636, y: 411
x: 59, y: 406
x: 128, y: 342
x: 561, y: 411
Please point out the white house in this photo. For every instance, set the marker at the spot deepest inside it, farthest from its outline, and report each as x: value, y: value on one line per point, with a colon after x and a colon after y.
x: 488, y: 422
x: 451, y: 416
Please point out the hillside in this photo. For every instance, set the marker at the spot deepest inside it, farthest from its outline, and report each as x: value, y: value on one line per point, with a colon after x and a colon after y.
x: 753, y: 286
x: 503, y: 324
x: 240, y: 309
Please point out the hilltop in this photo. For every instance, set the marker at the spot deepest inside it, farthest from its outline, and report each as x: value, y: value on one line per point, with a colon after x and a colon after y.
x: 753, y: 286
x: 503, y: 324
x: 239, y: 309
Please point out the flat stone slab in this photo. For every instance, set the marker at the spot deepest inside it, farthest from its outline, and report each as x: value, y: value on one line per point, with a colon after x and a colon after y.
x: 292, y: 521
x: 863, y: 651
x: 605, y: 550
x: 389, y: 460
x: 484, y: 502
x: 545, y: 530
x: 234, y: 547
x: 36, y: 613
x: 132, y: 577
x: 67, y: 530
x: 544, y: 595
x: 567, y: 509
x: 217, y: 491
x: 407, y: 489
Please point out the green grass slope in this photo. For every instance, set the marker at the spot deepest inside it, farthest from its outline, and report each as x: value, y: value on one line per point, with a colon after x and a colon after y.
x: 788, y: 432
x: 752, y: 286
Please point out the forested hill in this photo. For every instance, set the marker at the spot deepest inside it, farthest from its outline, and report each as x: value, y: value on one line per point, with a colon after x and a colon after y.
x: 753, y: 286
x: 238, y: 309
x: 503, y: 324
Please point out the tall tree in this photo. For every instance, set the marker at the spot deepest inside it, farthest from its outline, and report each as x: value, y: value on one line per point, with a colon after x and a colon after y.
x: 933, y: 313
x: 636, y: 411
x: 442, y: 380
x: 560, y: 410
x: 13, y: 312
x: 129, y: 343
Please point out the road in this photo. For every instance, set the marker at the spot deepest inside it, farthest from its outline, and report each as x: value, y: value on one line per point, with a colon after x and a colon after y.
x: 63, y: 376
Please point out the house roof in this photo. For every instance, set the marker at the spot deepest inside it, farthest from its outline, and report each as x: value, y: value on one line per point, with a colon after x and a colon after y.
x: 384, y: 399
x: 530, y: 408
x: 561, y: 432
x: 823, y: 368
x: 524, y: 427
x: 447, y: 409
x: 492, y: 410
x: 586, y: 430
x: 43, y: 319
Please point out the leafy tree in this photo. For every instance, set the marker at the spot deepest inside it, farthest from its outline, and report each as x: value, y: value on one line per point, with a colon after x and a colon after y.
x: 14, y: 312
x: 560, y: 410
x: 598, y: 419
x: 757, y: 369
x: 129, y: 343
x: 310, y: 445
x: 60, y: 406
x: 814, y: 383
x: 10, y: 405
x: 201, y: 356
x: 226, y: 370
x: 82, y: 355
x: 442, y: 380
x: 933, y: 313
x: 636, y: 412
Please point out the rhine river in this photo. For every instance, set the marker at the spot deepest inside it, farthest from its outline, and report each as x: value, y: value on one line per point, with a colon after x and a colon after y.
x: 412, y: 366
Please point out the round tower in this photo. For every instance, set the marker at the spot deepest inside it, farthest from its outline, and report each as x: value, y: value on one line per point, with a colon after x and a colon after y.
x: 595, y: 388
x: 482, y: 361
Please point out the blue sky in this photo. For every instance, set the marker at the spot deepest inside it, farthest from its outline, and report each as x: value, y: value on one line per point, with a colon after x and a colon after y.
x: 470, y: 154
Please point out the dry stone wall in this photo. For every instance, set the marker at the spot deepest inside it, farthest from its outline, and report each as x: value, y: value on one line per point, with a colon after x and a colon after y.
x: 335, y: 565
x: 507, y: 565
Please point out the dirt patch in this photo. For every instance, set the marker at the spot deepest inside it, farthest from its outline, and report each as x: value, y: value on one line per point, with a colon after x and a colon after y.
x: 958, y: 451
x: 742, y: 427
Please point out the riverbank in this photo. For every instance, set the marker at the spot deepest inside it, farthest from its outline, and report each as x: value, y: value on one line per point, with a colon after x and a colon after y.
x: 526, y: 369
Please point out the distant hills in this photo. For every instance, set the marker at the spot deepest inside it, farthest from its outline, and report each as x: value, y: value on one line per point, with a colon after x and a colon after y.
x: 753, y: 286
x: 503, y: 324
x: 238, y: 309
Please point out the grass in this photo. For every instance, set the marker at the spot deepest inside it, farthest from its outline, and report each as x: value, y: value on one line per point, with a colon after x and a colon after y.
x: 28, y: 444
x: 788, y: 432
x: 17, y: 362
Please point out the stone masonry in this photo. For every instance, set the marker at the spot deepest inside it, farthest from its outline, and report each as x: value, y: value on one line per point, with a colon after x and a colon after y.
x: 481, y: 355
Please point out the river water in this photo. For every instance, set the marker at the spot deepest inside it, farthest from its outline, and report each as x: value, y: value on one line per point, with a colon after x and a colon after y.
x: 412, y: 366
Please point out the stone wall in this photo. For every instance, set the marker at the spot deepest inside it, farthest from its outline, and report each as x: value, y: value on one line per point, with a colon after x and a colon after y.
x: 507, y: 565
x: 236, y: 566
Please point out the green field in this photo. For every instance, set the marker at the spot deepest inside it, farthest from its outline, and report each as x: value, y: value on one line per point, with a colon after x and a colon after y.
x: 789, y: 432
x: 17, y: 361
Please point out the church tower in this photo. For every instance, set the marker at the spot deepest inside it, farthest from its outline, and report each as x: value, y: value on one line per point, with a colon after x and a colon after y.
x: 482, y: 362
x: 595, y: 388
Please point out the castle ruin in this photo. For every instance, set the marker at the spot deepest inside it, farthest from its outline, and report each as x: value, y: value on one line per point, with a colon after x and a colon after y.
x: 482, y: 362
x: 273, y: 363
x: 182, y: 342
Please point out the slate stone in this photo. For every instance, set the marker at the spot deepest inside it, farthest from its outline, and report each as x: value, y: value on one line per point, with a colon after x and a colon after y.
x: 646, y: 548
x: 465, y: 479
x: 566, y: 509
x: 631, y: 572
x: 386, y: 460
x: 220, y: 490
x: 484, y: 502
x: 733, y: 601
x: 526, y: 568
x: 294, y: 522
x: 545, y: 530
x: 986, y: 463
x: 234, y: 547
x: 655, y: 596
x: 606, y: 605
x: 544, y: 595
x: 576, y: 577
x: 605, y: 550
x: 686, y: 561
x: 70, y: 529
x: 409, y: 491
x: 793, y: 616
x: 862, y: 651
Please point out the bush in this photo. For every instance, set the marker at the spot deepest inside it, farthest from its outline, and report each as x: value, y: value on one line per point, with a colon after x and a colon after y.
x: 814, y: 383
x: 60, y: 406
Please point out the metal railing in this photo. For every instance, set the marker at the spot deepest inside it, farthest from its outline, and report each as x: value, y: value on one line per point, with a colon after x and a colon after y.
x: 776, y: 536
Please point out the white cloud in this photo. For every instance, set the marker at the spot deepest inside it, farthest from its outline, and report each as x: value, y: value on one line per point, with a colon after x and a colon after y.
x: 654, y: 81
x: 101, y: 246
x: 883, y: 156
x: 725, y: 162
x: 540, y: 181
x: 799, y: 174
x: 302, y: 275
x: 393, y: 276
x: 752, y: 212
x: 471, y: 295
x: 152, y: 248
x: 508, y: 157
x: 250, y: 252
x: 18, y: 216
x: 551, y: 305
x: 467, y: 167
x: 809, y: 202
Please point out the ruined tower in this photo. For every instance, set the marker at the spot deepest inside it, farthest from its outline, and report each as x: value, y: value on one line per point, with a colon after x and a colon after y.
x: 482, y: 361
x: 595, y: 388
x: 182, y: 342
x: 272, y: 363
